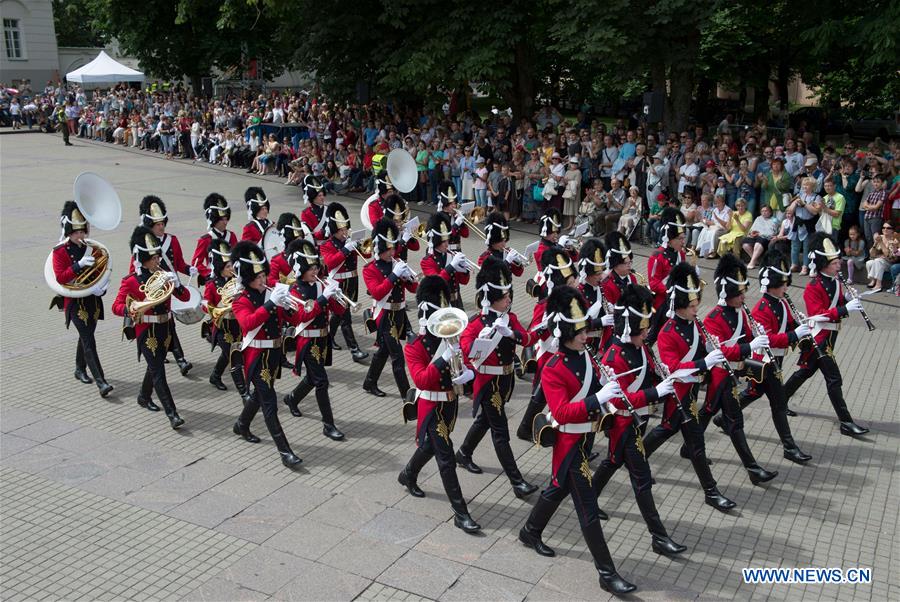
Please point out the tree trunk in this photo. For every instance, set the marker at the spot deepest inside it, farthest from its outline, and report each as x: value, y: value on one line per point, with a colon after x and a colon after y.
x: 520, y: 96
x: 761, y: 101
x: 196, y: 84
x: 781, y: 85
x: 658, y: 78
x: 703, y: 90
x: 682, y: 86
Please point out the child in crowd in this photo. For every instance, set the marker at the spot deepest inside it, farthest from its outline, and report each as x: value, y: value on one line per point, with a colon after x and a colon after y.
x: 656, y: 207
x: 854, y: 252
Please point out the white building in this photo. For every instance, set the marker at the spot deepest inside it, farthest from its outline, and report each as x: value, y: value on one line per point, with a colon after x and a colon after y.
x: 29, y: 43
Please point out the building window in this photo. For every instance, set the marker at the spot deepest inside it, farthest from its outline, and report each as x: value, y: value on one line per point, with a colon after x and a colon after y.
x: 12, y: 36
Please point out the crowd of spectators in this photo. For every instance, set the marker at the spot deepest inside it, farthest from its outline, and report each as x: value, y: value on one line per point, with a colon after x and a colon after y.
x: 740, y: 189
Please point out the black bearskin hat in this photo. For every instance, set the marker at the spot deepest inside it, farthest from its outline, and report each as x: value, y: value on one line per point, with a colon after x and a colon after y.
x: 312, y: 186
x: 683, y: 286
x: 216, y: 207
x: 395, y: 207
x: 152, y: 210
x: 566, y: 313
x: 592, y: 257
x: 290, y: 227
x: 730, y: 277
x: 302, y: 255
x: 672, y: 224
x: 439, y: 228
x: 446, y: 194
x: 72, y: 219
x: 219, y: 254
x: 821, y: 252
x: 775, y: 271
x: 558, y: 267
x: 144, y: 244
x: 493, y: 281
x: 336, y: 217
x: 248, y: 261
x: 255, y: 199
x: 496, y: 227
x: 551, y: 222
x: 433, y: 293
x: 618, y: 249
x: 386, y: 235
x: 634, y: 311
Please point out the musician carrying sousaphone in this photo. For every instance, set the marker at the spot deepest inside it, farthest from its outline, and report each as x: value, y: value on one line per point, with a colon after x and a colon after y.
x: 145, y: 297
x: 80, y: 267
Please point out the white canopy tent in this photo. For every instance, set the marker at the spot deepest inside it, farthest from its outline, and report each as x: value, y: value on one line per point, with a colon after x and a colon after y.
x: 104, y: 70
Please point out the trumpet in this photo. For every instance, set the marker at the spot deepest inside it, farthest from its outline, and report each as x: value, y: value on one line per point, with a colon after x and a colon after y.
x: 520, y: 259
x: 343, y: 299
x: 469, y: 265
x: 294, y: 304
x: 475, y: 216
x: 411, y: 274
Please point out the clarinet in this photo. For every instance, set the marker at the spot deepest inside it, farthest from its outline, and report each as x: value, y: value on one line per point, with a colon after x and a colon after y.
x: 610, y: 375
x: 758, y: 331
x: 716, y: 344
x: 854, y: 295
x: 799, y: 317
x: 663, y: 371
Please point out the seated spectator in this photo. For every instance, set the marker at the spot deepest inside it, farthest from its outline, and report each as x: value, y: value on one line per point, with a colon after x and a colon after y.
x: 854, y: 252
x: 713, y: 228
x: 691, y: 216
x: 631, y: 213
x: 761, y: 232
x: 884, y: 254
x: 738, y: 226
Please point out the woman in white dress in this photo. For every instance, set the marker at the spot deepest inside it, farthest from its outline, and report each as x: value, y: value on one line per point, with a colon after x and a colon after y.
x: 713, y: 227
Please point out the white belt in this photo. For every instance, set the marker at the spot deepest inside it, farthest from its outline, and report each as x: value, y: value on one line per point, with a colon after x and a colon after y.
x: 435, y: 395
x: 736, y: 365
x: 576, y: 428
x: 828, y: 325
x: 344, y: 275
x: 496, y: 370
x: 155, y: 319
x: 265, y: 343
x: 387, y: 305
x: 644, y: 411
x: 314, y: 333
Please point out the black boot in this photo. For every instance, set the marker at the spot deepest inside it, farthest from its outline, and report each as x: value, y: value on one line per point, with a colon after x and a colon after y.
x: 408, y: 477
x: 610, y: 580
x: 792, y: 451
x: 461, y: 517
x: 215, y: 379
x: 370, y: 385
x: 535, y: 406
x: 288, y: 457
x: 358, y: 355
x: 286, y: 363
x: 168, y: 404
x: 292, y: 400
x: 851, y: 429
x: 328, y: 428
x: 237, y: 377
x: 719, y: 422
x: 757, y: 473
x: 530, y: 534
x: 81, y: 366
x: 467, y: 463
x: 401, y: 379
x: 244, y: 431
x: 521, y: 487
x: 93, y: 364
x: 144, y: 400
x: 661, y: 542
x: 714, y: 498
x: 601, y: 477
x: 712, y: 495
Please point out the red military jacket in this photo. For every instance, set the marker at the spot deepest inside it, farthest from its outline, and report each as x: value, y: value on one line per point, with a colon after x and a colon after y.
x: 200, y: 260
x: 825, y: 296
x: 382, y: 285
x: 439, y: 264
x: 131, y: 287
x: 591, y: 295
x: 659, y: 265
x: 515, y: 268
x: 314, y: 218
x: 251, y: 310
x: 503, y: 353
x: 316, y: 318
x: 173, y: 259
x: 614, y: 285
x: 338, y: 260
x: 682, y: 346
x: 774, y: 315
x: 376, y: 211
x: 279, y: 270
x: 255, y: 229
x: 427, y: 376
x: 722, y: 322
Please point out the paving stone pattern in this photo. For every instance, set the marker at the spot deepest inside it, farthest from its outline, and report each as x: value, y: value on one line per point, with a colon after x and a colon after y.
x: 102, y: 500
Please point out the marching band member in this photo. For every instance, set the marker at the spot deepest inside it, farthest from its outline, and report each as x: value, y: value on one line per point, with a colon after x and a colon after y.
x: 72, y: 257
x: 384, y: 189
x: 577, y: 401
x: 551, y: 229
x: 618, y: 261
x: 682, y: 346
x: 152, y: 328
x: 827, y: 303
x: 340, y: 258
x: 261, y: 322
x: 387, y: 281
x: 314, y: 214
x: 395, y: 208
x: 154, y: 217
x: 591, y: 268
x: 729, y: 325
x: 290, y: 229
x: 224, y: 333
x: 437, y: 403
x: 496, y: 230
x: 258, y: 208
x: 448, y: 204
x: 558, y: 271
x: 218, y: 213
x: 628, y: 357
x: 439, y: 261
x: 494, y: 373
x: 313, y: 350
x: 661, y: 262
x: 774, y: 316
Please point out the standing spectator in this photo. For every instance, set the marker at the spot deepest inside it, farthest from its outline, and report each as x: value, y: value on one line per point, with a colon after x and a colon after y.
x: 845, y: 182
x: 608, y: 156
x: 467, y: 171
x: 481, y: 178
x: 15, y: 112
x: 422, y: 156
x: 654, y: 217
x: 493, y: 189
x: 531, y: 196
x: 810, y: 170
x: 775, y: 185
x: 807, y: 206
x: 166, y: 132
x: 833, y: 205
x: 761, y: 232
x: 691, y: 217
x: 657, y: 176
x: 557, y: 173
x: 435, y: 169
x: 572, y: 192
x: 873, y: 207
x: 744, y: 182
x: 854, y: 252
x: 688, y: 174
x: 793, y: 160
x: 506, y: 192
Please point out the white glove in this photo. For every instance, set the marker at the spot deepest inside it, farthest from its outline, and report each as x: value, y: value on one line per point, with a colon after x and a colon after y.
x: 510, y: 256
x: 350, y: 245
x: 610, y: 390
x: 400, y: 268
x: 854, y: 305
x: 192, y: 271
x: 566, y: 241
x: 759, y: 342
x: 406, y: 236
x: 594, y: 310
x: 449, y: 352
x: 280, y: 296
x: 173, y: 278
x: 408, y: 273
x: 459, y: 220
x: 485, y: 332
x: 802, y: 331
x: 99, y: 289
x: 666, y: 387
x: 331, y: 289
x: 714, y: 357
x: 465, y: 377
x: 458, y: 262
x: 608, y: 320
x: 86, y: 261
x: 504, y: 330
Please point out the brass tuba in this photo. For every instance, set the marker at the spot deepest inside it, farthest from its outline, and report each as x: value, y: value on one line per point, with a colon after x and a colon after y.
x: 227, y: 293
x: 157, y: 289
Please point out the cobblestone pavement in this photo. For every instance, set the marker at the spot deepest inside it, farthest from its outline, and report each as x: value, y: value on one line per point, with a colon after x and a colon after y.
x: 102, y: 500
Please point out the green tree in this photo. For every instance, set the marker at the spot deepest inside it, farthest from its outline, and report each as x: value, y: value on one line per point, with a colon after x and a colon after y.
x: 74, y: 24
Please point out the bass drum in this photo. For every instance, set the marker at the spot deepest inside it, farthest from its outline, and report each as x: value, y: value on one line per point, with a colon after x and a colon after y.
x: 272, y: 243
x: 190, y: 311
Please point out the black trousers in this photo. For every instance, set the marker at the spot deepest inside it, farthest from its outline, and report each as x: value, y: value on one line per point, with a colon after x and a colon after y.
x: 772, y: 387
x: 574, y: 480
x: 314, y: 358
x: 175, y: 346
x: 153, y: 345
x: 434, y: 442
x: 830, y: 371
x: 87, y: 344
x: 391, y: 331
x: 490, y: 414
x: 350, y: 288
x: 228, y: 342
x: 262, y: 376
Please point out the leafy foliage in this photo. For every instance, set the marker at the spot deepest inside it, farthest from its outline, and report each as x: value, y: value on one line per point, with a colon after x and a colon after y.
x: 73, y: 22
